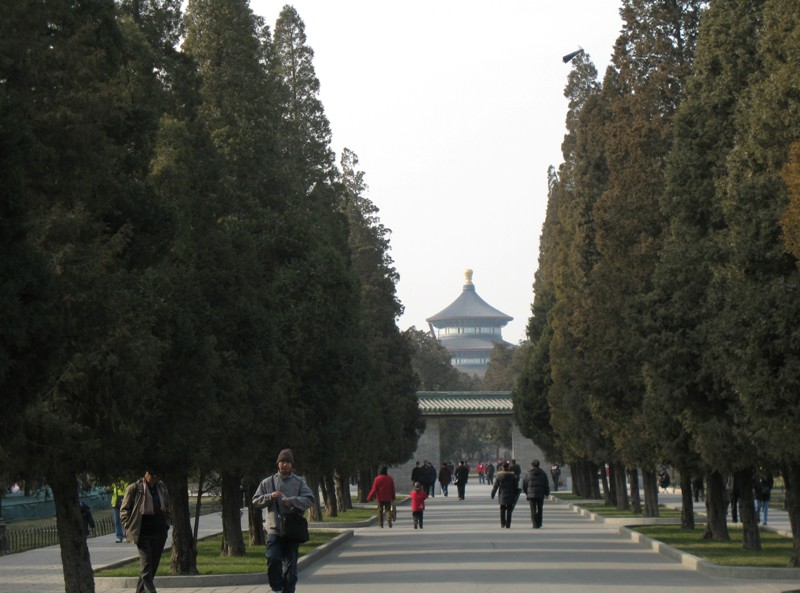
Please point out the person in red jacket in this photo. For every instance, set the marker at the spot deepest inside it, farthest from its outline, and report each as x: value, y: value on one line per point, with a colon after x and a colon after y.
x: 383, y: 490
x: 418, y: 496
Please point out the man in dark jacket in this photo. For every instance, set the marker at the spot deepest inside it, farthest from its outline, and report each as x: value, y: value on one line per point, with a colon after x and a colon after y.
x: 462, y: 475
x: 536, y: 487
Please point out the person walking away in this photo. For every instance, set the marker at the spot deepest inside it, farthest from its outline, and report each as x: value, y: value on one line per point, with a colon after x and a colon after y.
x: 734, y: 489
x: 117, y: 494
x: 429, y: 478
x: 444, y: 478
x: 88, y: 519
x: 417, y: 475
x: 418, y: 496
x: 537, y: 488
x: 555, y: 473
x: 282, y: 493
x: 145, y: 513
x: 490, y: 473
x: 763, y: 491
x: 462, y: 475
x: 505, y: 485
x: 515, y: 467
x: 383, y: 490
x: 481, y: 469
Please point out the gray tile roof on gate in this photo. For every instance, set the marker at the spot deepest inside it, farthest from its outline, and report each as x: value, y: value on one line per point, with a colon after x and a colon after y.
x: 465, y: 403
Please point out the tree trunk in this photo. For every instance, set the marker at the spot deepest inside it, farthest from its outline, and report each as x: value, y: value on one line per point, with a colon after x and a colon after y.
x: 687, y: 504
x: 791, y: 481
x: 184, y: 552
x: 315, y: 512
x: 343, y: 492
x: 255, y: 519
x: 751, y: 538
x: 650, y: 485
x: 636, y: 501
x: 75, y: 561
x: 197, y: 508
x: 716, y: 508
x: 364, y: 485
x: 621, y: 489
x: 332, y: 506
x: 232, y: 539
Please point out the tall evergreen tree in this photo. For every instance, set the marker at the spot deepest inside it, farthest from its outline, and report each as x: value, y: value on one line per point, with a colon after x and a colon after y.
x: 644, y: 86
x: 686, y: 384
x: 92, y: 232
x: 761, y: 317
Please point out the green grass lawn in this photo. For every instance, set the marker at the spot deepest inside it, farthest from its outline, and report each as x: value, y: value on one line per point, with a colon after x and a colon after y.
x: 776, y: 552
x: 613, y: 512
x: 354, y: 514
x: 209, y: 560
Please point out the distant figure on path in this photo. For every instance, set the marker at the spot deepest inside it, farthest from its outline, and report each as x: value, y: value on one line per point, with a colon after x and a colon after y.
x: 537, y: 488
x: 383, y: 490
x: 418, y: 496
x: 462, y: 475
x: 444, y: 478
x: 555, y: 473
x: 505, y: 483
x: 490, y: 473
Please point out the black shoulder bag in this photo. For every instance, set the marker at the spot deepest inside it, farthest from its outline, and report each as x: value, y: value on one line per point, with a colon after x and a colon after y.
x: 291, y: 526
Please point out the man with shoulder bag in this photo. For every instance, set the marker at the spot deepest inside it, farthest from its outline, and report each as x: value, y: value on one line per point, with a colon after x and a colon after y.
x: 286, y: 496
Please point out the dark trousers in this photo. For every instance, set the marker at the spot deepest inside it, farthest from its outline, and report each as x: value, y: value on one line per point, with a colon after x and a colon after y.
x: 462, y: 487
x: 150, y: 546
x: 537, y: 505
x: 281, y: 563
x: 417, y: 518
x: 444, y: 488
x: 505, y: 515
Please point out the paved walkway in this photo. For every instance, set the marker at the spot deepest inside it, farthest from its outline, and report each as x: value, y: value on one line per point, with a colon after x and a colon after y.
x: 462, y: 549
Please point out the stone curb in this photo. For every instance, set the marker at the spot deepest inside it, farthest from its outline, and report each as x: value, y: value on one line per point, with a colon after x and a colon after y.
x: 688, y: 560
x: 224, y: 580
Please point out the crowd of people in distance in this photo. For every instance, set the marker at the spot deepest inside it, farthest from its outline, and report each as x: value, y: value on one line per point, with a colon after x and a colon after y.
x: 506, y: 478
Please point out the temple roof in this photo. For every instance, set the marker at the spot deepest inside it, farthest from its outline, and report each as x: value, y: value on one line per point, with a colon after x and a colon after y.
x: 469, y: 306
x: 461, y: 403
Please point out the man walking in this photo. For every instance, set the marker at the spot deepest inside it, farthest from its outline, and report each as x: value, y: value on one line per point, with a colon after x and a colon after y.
x: 537, y: 487
x: 145, y: 514
x: 462, y: 475
x: 281, y: 493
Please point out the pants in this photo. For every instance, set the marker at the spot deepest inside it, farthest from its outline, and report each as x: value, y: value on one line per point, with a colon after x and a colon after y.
x: 118, y: 525
x: 537, y: 505
x: 417, y: 518
x: 281, y: 563
x: 735, y: 507
x: 429, y: 488
x: 444, y: 489
x: 462, y: 487
x: 385, y: 508
x: 150, y: 547
x: 505, y: 515
x: 762, y: 506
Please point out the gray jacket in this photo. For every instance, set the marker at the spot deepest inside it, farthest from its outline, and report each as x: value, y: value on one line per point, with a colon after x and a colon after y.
x: 130, y: 512
x: 293, y: 488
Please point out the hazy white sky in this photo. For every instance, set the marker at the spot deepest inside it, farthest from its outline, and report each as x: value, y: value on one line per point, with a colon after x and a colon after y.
x: 455, y: 109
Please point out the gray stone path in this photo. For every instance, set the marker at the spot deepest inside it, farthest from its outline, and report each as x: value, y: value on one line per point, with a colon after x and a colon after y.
x: 462, y: 549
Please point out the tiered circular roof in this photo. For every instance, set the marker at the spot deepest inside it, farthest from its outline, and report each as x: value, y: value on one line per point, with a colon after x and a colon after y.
x: 469, y: 307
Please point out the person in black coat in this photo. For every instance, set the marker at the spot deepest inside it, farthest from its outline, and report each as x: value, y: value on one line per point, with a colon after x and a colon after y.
x: 461, y: 475
x: 505, y: 483
x: 536, y: 487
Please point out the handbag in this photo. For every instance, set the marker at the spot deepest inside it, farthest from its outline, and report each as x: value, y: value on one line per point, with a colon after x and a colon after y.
x: 294, y: 527
x: 291, y: 526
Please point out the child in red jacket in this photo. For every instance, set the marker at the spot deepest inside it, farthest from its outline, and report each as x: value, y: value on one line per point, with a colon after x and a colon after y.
x: 418, y: 496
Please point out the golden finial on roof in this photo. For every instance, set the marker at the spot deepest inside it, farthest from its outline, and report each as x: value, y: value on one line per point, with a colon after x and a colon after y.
x: 468, y: 277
